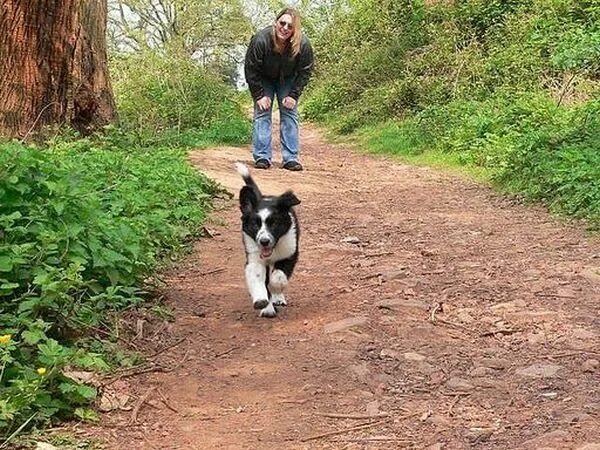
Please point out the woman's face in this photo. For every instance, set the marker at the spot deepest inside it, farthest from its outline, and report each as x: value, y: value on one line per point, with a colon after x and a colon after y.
x: 284, y: 27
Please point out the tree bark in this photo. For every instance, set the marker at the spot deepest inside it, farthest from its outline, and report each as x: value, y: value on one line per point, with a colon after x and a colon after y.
x: 53, y: 66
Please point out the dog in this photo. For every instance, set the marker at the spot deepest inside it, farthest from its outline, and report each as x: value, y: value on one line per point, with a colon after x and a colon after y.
x: 271, y: 235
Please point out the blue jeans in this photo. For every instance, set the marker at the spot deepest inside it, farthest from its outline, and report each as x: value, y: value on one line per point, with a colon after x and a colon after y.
x: 288, y: 129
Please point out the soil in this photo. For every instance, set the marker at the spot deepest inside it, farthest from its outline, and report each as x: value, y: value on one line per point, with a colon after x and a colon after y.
x: 426, y: 311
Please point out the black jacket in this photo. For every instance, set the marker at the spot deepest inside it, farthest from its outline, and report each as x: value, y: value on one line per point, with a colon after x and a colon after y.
x: 263, y: 63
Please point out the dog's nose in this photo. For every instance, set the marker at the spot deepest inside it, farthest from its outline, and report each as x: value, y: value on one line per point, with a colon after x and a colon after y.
x: 264, y: 241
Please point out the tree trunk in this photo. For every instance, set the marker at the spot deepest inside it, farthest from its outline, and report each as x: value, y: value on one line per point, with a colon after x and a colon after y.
x: 53, y: 66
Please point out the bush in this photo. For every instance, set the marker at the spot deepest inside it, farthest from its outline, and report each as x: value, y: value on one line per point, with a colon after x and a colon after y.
x: 165, y: 98
x: 82, y: 224
x: 505, y: 88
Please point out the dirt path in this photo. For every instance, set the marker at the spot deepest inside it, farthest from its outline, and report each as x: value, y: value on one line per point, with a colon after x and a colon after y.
x: 509, y: 360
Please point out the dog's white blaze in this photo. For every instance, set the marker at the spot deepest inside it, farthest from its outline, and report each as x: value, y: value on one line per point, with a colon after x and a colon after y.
x: 263, y: 232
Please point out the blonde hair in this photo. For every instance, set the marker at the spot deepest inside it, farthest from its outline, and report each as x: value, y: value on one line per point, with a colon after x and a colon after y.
x: 296, y: 38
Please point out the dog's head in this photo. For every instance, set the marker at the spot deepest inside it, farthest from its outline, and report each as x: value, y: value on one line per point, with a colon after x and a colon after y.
x: 266, y: 219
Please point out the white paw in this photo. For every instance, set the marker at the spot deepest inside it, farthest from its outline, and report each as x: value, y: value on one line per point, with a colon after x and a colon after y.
x: 269, y: 311
x: 278, y: 300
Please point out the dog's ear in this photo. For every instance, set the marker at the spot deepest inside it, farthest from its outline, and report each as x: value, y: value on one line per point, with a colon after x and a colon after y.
x: 248, y: 199
x: 287, y: 200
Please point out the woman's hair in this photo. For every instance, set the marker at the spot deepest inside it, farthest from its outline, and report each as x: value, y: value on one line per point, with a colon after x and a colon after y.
x: 295, y: 39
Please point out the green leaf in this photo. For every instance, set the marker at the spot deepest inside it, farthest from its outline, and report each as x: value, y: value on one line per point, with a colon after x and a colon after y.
x: 87, y: 414
x: 34, y: 336
x: 87, y: 392
x: 6, y: 264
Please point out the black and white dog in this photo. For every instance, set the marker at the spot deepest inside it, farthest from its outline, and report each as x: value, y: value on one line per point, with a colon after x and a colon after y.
x: 270, y: 233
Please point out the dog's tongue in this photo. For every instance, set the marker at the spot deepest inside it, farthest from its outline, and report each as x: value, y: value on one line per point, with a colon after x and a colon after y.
x: 265, y: 252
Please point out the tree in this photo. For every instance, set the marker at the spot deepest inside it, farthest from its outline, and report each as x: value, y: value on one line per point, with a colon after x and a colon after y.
x: 53, y: 66
x: 213, y: 32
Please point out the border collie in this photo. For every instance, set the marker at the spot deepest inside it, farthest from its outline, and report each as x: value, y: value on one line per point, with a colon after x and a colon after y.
x: 270, y: 234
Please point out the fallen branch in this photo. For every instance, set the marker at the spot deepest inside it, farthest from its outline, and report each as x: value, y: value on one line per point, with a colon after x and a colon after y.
x: 166, y: 402
x: 454, y: 403
x: 227, y: 352
x: 375, y: 439
x: 353, y: 416
x: 505, y: 332
x: 368, y: 277
x: 294, y: 402
x: 452, y: 325
x: 138, y: 405
x: 373, y: 255
x: 357, y: 427
x: 211, y: 272
x: 438, y: 307
x: 457, y: 393
x: 168, y: 347
x: 346, y: 430
x: 572, y: 353
x: 143, y: 368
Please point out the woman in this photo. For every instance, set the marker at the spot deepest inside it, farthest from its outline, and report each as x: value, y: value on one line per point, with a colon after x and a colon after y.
x: 279, y: 61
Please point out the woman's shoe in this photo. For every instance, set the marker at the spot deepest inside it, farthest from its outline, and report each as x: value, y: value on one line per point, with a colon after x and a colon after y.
x: 294, y: 166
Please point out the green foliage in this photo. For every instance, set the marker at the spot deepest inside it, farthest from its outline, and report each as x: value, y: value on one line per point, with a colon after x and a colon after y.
x: 82, y: 224
x: 170, y: 99
x: 502, y: 87
x: 213, y: 30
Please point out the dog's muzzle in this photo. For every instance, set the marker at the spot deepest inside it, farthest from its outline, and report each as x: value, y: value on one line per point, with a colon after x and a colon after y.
x: 266, y: 247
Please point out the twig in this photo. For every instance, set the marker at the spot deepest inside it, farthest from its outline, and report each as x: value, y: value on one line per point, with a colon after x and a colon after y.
x: 373, y: 255
x: 374, y: 439
x: 456, y: 394
x: 346, y: 430
x: 368, y: 277
x: 438, y: 306
x: 543, y: 294
x: 168, y: 347
x: 357, y: 427
x: 565, y: 89
x: 166, y: 402
x: 294, y: 402
x: 138, y: 406
x: 571, y: 353
x: 454, y: 403
x: 211, y: 272
x: 502, y: 331
x: 452, y: 325
x: 227, y: 352
x: 35, y: 123
x: 18, y: 430
x: 353, y: 416
x: 178, y: 365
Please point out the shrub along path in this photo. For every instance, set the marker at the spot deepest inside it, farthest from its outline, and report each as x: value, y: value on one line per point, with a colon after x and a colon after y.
x: 426, y: 312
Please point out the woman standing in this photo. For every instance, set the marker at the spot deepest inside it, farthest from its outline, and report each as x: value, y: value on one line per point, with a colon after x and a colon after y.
x: 279, y: 61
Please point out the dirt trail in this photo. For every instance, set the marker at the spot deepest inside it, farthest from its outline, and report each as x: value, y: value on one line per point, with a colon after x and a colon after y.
x: 455, y: 317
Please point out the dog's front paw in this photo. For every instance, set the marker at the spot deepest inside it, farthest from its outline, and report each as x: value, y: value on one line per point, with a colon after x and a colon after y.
x: 278, y: 300
x: 260, y: 303
x: 269, y: 311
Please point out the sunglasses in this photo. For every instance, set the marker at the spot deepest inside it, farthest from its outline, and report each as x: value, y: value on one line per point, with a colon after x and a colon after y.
x: 284, y: 24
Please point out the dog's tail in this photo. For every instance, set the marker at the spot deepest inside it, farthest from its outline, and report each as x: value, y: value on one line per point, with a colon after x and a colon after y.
x: 245, y: 174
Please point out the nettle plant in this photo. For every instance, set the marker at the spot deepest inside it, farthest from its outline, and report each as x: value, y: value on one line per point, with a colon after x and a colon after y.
x: 82, y: 225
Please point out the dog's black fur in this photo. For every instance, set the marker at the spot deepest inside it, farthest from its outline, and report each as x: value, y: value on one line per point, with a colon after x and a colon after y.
x: 271, y: 237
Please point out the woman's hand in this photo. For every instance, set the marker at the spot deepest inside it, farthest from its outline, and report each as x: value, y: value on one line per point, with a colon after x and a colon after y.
x: 289, y: 102
x: 264, y: 103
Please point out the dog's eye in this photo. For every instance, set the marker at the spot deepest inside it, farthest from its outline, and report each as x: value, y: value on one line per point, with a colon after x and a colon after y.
x: 257, y: 221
